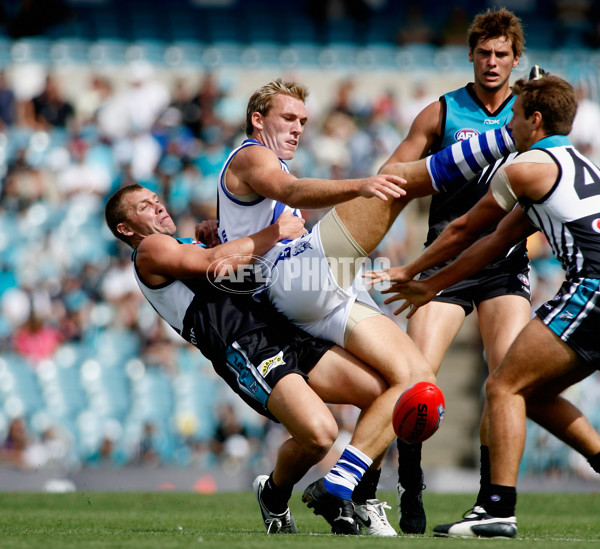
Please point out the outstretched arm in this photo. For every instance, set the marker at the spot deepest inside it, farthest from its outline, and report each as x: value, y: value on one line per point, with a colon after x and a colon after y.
x: 511, y: 230
x: 455, y: 238
x: 258, y: 170
x: 160, y: 257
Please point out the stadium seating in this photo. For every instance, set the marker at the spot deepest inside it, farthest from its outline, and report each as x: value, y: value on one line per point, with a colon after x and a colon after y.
x: 100, y: 385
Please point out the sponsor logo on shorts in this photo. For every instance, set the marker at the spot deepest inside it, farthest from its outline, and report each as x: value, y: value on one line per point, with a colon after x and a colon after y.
x: 596, y: 225
x: 524, y: 279
x: 465, y: 133
x: 267, y: 365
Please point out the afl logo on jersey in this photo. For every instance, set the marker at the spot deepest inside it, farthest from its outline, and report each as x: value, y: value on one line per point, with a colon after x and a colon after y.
x: 465, y: 133
x: 596, y: 225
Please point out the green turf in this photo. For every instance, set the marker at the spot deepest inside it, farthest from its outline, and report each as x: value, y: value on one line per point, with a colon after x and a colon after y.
x: 232, y: 520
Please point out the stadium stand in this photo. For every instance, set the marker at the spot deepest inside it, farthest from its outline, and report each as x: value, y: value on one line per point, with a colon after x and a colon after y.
x: 120, y: 388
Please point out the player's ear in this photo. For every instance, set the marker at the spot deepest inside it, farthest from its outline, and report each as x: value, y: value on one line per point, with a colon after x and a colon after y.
x: 516, y: 61
x: 125, y: 230
x: 257, y: 120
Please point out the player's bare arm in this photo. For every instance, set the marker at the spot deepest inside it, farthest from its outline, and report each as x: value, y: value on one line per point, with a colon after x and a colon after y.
x: 160, y: 256
x: 455, y: 238
x: 416, y: 293
x: 258, y: 170
x: 407, y: 161
x: 422, y: 135
x: 533, y: 180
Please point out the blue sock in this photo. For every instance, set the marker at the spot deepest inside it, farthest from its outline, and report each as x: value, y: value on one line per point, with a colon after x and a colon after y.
x: 345, y: 474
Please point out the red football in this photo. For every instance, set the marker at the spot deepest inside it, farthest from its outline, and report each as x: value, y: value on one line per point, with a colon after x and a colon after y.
x: 418, y: 412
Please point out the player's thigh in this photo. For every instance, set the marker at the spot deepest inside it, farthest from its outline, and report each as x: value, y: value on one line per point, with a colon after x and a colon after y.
x: 383, y: 345
x: 341, y: 378
x: 537, y: 357
x: 301, y: 411
x: 433, y: 328
x: 501, y: 319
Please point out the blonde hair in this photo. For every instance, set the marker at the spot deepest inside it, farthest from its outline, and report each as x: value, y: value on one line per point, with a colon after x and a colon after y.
x: 262, y: 99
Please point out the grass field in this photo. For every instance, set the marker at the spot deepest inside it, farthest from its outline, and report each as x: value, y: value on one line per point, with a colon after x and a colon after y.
x: 232, y: 520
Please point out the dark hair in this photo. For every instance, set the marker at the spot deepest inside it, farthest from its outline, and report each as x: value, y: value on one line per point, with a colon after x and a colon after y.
x: 116, y: 210
x: 553, y: 97
x: 262, y: 99
x: 493, y: 24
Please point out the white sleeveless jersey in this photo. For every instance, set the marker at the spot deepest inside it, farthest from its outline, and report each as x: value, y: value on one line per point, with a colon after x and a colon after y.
x: 171, y: 301
x: 238, y: 218
x: 569, y: 215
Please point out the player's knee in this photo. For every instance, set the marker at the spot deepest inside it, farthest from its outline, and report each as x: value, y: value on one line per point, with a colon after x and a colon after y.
x: 322, y: 435
x: 495, y: 388
x: 370, y: 392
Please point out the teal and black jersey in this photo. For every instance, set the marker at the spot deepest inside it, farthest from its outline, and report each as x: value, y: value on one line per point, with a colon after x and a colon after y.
x: 463, y: 117
x: 205, y: 315
x: 250, y: 345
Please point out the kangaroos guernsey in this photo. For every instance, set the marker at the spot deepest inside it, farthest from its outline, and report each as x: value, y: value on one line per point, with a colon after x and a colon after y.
x: 299, y: 280
x: 248, y: 214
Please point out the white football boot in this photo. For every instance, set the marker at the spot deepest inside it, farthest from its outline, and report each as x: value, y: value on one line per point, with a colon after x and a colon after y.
x: 372, y: 518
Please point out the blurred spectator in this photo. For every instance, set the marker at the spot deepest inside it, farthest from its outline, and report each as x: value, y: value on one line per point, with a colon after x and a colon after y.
x: 37, y: 339
x: 50, y: 109
x: 146, y: 453
x: 136, y: 109
x: 453, y: 29
x: 14, y: 448
x: 120, y: 289
x: 92, y: 100
x: 200, y: 109
x: 415, y: 27
x: 585, y: 135
x: 7, y: 103
x: 24, y: 184
x: 572, y: 22
x: 82, y: 182
x: 344, y: 101
x: 410, y: 108
x: 330, y: 146
x: 230, y: 439
x: 184, y: 102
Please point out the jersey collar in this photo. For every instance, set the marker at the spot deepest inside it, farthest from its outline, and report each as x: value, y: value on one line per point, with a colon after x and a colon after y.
x: 552, y: 141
